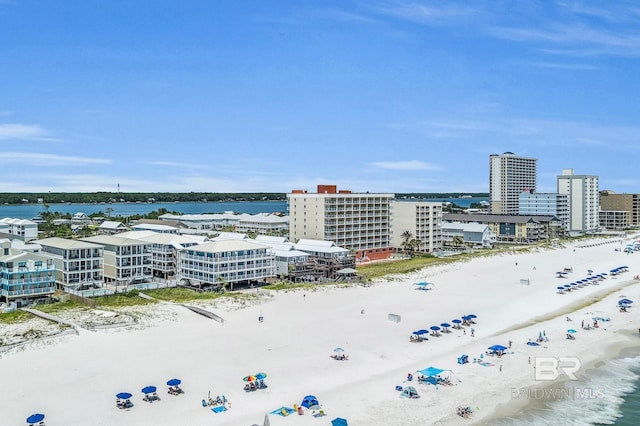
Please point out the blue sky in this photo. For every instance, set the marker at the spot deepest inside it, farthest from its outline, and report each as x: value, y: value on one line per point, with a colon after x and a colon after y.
x: 268, y: 96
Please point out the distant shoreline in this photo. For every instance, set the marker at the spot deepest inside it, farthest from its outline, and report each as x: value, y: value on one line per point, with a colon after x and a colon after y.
x: 25, y: 198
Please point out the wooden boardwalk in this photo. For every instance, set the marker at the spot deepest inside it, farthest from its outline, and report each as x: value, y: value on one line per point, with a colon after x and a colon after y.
x: 205, y: 313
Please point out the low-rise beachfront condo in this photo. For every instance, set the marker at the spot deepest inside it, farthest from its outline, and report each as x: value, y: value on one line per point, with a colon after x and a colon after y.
x: 228, y: 261
x: 127, y: 261
x: 24, y: 276
x: 79, y: 264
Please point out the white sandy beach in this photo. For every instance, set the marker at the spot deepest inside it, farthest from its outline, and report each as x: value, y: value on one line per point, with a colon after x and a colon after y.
x: 73, y: 379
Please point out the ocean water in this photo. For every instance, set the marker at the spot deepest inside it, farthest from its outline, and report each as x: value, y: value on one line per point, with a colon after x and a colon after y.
x: 606, y: 395
x: 28, y: 211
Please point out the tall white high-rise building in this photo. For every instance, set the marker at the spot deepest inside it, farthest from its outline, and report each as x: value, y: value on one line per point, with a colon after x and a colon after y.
x: 509, y: 175
x: 583, y: 199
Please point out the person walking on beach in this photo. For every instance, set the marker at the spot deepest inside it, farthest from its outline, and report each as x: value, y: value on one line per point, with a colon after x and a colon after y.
x: 473, y: 332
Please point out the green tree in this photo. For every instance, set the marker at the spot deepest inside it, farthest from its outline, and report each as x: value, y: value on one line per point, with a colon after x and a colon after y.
x: 406, y: 239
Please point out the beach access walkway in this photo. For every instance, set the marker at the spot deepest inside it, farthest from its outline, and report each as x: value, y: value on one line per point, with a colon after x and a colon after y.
x: 195, y: 309
x: 51, y: 317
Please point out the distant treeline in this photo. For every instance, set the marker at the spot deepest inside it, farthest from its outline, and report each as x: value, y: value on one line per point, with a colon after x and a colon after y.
x: 115, y: 197
x: 420, y: 195
x: 162, y: 197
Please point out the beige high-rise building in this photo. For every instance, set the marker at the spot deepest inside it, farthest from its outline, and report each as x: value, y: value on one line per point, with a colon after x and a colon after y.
x: 610, y: 201
x: 583, y: 196
x: 509, y: 175
x: 357, y: 221
x: 419, y: 220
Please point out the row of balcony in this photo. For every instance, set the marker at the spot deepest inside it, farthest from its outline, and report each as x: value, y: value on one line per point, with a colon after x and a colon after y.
x: 217, y: 268
x: 226, y: 259
x: 124, y: 264
x: 27, y: 292
x: 239, y: 276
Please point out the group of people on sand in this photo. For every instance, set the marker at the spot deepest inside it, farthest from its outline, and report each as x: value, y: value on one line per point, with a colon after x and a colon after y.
x: 124, y: 403
x: 175, y: 390
x: 255, y: 385
x: 464, y: 411
x: 151, y: 397
x: 218, y: 400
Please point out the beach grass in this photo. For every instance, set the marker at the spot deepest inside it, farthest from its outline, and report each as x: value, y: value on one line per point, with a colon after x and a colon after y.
x: 118, y: 300
x: 52, y: 308
x: 289, y: 286
x: 181, y: 294
x: 14, y: 317
x: 405, y: 266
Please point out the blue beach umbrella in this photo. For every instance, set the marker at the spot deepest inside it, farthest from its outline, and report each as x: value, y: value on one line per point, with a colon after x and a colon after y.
x: 434, y: 328
x: 149, y: 389
x: 571, y: 330
x: 421, y: 331
x: 124, y: 395
x: 497, y: 348
x: 35, y: 418
x: 174, y: 382
x: 261, y: 376
x: 560, y: 288
x: 445, y: 325
x: 456, y: 321
x: 472, y: 316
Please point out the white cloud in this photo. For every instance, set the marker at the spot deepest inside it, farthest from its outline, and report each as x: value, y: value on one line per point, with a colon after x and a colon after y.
x: 38, y: 159
x: 584, y: 39
x: 21, y: 131
x: 564, y: 66
x: 404, y: 165
x: 177, y: 164
x: 428, y: 14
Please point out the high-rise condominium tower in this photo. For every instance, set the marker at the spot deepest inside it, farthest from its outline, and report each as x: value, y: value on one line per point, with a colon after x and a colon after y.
x: 509, y: 175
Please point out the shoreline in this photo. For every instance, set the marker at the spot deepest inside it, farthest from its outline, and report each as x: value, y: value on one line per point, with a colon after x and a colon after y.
x: 520, y: 408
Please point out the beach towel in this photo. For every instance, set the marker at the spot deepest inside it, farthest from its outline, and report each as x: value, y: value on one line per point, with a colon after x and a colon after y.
x: 283, y: 411
x: 486, y: 364
x: 219, y: 409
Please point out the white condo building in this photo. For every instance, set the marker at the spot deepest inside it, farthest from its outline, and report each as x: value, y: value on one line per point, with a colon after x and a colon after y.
x: 510, y: 175
x: 356, y: 221
x: 421, y: 219
x: 164, y: 248
x: 545, y: 204
x: 24, y: 229
x: 583, y: 196
x: 79, y: 264
x: 126, y: 260
x: 230, y: 261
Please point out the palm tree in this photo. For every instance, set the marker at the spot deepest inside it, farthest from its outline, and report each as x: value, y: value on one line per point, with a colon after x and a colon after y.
x: 406, y: 238
x: 414, y: 244
x: 224, y: 283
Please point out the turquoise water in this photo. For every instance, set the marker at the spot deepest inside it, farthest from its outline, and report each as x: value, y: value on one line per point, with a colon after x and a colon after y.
x: 28, y: 211
x: 607, y: 395
x: 630, y: 408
